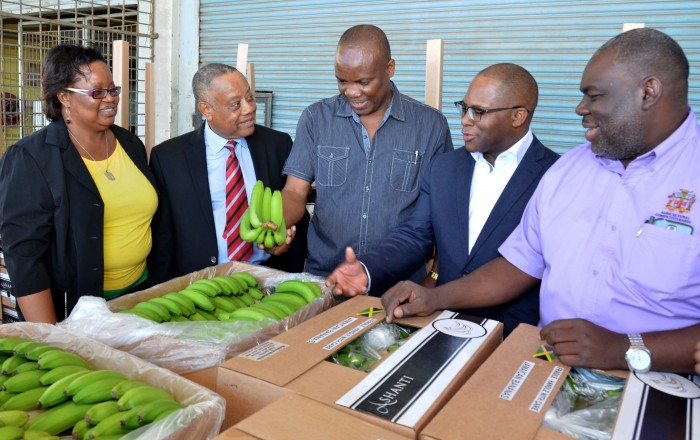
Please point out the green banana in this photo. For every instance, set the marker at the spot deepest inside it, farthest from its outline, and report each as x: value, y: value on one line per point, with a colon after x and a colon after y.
x: 207, y: 286
x: 184, y: 302
x: 247, y: 314
x: 13, y: 418
x: 290, y: 299
x: 23, y: 381
x: 284, y: 309
x: 247, y: 299
x: 196, y: 316
x: 57, y: 358
x: 233, y: 285
x: 161, y: 311
x: 90, y: 378
x: 80, y: 428
x: 143, y: 313
x: 60, y: 418
x: 280, y: 234
x: 225, y: 288
x: 142, y: 395
x: 12, y: 363
x: 173, y: 307
x: 316, y: 289
x: 223, y: 303
x: 297, y: 287
x: 276, y: 208
x: 23, y: 347
x: 255, y: 208
x: 265, y: 208
x: 156, y: 410
x: 7, y: 344
x: 179, y: 319
x: 246, y: 230
x: 5, y: 396
x: 199, y: 299
x: 119, y: 389
x: 130, y: 418
x: 34, y: 354
x: 209, y: 316
x: 255, y: 293
x: 39, y: 435
x: 261, y: 237
x: 245, y: 276
x: 55, y: 393
x: 25, y: 401
x: 57, y: 373
x: 109, y: 426
x: 101, y: 411
x: 269, y: 240
x: 275, y: 309
x: 238, y: 302
x: 96, y: 392
x: 27, y: 366
x: 11, y: 433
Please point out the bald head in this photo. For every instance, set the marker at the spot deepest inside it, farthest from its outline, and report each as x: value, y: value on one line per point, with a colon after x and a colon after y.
x: 364, y: 36
x: 647, y: 52
x: 516, y: 84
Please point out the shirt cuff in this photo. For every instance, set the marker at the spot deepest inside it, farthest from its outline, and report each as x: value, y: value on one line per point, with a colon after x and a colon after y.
x: 369, y: 277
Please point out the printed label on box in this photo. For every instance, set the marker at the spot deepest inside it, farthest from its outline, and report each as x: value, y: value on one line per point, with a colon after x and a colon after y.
x: 349, y: 335
x: 334, y: 329
x: 517, y: 380
x: 546, y: 389
x: 264, y: 350
x: 403, y: 387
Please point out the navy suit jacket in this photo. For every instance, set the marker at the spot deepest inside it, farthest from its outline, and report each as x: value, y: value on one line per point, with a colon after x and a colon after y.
x: 441, y: 218
x: 184, y: 236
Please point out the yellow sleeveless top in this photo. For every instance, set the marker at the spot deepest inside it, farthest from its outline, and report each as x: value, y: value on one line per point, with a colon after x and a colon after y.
x: 130, y: 202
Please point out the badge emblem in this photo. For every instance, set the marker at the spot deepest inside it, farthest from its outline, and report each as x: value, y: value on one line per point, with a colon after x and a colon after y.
x: 681, y: 201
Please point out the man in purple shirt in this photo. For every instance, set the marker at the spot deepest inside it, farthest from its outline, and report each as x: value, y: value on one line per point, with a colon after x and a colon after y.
x: 610, y: 228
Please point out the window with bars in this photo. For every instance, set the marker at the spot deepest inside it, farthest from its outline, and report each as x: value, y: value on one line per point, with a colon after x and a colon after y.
x: 28, y: 29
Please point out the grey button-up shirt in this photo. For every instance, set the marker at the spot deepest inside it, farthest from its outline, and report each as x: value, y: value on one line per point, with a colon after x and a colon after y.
x: 362, y: 195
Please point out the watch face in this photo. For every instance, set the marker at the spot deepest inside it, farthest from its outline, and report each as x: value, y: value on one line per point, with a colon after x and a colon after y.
x: 638, y: 359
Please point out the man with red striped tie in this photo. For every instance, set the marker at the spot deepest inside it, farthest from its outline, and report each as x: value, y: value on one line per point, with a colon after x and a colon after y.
x: 205, y: 177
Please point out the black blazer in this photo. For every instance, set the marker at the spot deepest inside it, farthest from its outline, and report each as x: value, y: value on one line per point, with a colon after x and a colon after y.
x: 184, y: 237
x: 441, y: 218
x: 52, y: 216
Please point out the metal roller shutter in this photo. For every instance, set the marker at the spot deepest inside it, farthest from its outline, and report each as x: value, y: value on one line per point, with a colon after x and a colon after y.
x: 292, y: 44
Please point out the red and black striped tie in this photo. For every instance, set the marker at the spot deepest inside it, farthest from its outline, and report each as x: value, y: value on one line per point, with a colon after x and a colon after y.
x: 236, y: 206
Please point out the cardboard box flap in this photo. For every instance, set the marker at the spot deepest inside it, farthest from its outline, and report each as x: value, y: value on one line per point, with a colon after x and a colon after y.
x: 404, y: 387
x: 296, y: 417
x: 322, y: 337
x: 513, y: 384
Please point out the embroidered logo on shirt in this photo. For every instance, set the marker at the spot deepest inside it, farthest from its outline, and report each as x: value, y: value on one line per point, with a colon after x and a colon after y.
x: 681, y: 201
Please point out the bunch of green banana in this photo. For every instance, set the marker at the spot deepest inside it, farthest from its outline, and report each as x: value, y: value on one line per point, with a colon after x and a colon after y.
x: 71, y: 398
x: 263, y: 222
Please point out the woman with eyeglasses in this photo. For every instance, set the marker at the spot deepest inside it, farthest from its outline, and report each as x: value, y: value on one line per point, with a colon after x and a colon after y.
x: 76, y: 197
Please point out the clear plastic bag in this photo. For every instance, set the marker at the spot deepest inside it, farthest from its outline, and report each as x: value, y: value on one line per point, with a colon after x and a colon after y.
x: 586, y: 407
x: 362, y: 353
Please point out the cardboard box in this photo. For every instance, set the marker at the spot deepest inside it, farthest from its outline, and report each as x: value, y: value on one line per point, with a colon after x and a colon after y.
x: 295, y: 362
x: 508, y: 397
x: 192, y: 349
x: 201, y: 418
x: 295, y: 417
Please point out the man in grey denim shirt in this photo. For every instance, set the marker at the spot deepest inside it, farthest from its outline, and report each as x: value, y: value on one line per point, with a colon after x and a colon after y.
x: 366, y: 149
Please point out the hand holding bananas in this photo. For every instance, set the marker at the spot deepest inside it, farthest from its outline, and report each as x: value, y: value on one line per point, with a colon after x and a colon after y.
x: 263, y: 222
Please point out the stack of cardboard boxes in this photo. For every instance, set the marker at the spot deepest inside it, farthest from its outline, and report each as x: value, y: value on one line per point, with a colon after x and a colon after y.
x: 9, y: 302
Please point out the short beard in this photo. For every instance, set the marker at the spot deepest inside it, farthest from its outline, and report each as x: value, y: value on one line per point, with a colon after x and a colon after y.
x: 627, y: 142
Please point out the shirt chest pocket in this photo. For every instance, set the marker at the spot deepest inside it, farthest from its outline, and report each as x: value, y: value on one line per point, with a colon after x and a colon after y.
x: 405, y: 170
x: 332, y: 165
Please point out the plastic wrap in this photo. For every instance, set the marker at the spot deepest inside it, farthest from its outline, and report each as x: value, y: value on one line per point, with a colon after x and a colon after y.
x: 586, y: 407
x: 185, y: 347
x: 201, y: 419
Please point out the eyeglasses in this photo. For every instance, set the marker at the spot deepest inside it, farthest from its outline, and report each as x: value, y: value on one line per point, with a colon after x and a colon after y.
x: 476, y: 113
x: 97, y: 93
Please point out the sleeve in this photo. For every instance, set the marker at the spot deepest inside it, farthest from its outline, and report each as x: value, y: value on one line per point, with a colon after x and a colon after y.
x: 301, y: 162
x: 523, y: 247
x: 161, y: 259
x: 403, y: 251
x: 26, y: 221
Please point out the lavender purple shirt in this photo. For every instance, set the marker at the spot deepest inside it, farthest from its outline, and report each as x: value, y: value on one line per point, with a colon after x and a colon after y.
x: 586, y: 234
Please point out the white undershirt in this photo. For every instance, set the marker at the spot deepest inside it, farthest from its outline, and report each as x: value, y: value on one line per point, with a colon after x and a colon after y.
x: 489, y: 181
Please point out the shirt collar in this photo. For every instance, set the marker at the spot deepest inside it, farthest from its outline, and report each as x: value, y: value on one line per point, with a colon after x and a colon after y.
x: 517, y: 150
x: 216, y: 143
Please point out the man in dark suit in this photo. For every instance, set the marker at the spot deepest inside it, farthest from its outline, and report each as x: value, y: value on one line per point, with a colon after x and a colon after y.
x: 471, y: 199
x: 190, y: 171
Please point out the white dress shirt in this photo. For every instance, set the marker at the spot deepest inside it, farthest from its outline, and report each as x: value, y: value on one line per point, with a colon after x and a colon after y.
x: 488, y: 182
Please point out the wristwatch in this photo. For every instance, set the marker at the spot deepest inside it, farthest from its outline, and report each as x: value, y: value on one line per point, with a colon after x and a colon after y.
x: 638, y: 356
x: 432, y: 274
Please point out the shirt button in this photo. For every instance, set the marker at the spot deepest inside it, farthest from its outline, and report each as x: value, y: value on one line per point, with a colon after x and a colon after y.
x: 331, y: 155
x: 366, y: 188
x: 213, y: 259
x: 94, y: 269
x: 364, y: 215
